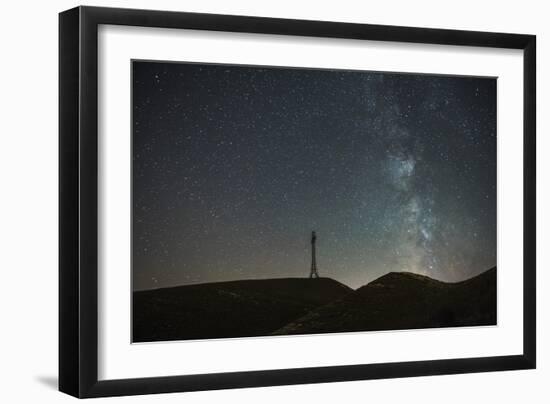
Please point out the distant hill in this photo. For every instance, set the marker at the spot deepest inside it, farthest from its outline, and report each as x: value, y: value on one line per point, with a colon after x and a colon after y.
x: 228, y: 309
x: 402, y: 300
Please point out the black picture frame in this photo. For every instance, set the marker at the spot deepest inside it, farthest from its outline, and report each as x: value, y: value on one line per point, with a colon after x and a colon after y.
x: 78, y: 201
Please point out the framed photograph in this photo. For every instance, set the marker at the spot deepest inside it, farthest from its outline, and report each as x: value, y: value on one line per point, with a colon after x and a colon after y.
x: 251, y: 201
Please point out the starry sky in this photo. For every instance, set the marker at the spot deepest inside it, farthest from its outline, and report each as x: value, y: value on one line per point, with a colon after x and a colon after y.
x: 234, y: 166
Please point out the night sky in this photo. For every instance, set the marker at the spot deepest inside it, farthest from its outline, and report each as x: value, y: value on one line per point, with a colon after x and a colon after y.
x: 234, y: 166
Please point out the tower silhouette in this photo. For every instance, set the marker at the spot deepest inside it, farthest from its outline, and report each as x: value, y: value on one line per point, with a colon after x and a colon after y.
x: 313, y: 273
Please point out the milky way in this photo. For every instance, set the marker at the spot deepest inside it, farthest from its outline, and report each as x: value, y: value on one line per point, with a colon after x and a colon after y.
x: 234, y: 166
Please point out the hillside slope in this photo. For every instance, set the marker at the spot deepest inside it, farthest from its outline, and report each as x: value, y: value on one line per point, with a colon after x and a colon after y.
x: 402, y: 300
x: 228, y: 309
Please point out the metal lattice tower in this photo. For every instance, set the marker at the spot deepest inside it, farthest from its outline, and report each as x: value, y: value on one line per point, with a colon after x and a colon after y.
x: 313, y: 273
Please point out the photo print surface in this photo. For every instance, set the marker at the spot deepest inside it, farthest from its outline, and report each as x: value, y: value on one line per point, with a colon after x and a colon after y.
x: 277, y: 201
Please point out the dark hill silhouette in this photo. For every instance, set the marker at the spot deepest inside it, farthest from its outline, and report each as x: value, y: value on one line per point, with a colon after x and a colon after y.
x: 402, y: 300
x: 228, y: 309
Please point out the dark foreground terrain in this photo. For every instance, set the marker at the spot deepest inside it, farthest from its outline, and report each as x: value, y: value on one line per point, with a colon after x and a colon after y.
x: 397, y: 300
x: 228, y: 309
x: 402, y: 300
